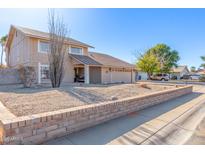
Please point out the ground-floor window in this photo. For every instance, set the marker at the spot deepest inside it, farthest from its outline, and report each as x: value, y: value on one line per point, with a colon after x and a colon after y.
x: 44, y: 70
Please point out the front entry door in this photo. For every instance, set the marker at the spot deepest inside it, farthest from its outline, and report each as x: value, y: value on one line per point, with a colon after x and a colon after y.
x: 79, y: 74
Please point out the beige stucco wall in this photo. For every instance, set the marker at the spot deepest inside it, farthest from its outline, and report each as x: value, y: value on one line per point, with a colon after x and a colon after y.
x: 18, y: 54
x: 36, y: 56
x: 69, y: 70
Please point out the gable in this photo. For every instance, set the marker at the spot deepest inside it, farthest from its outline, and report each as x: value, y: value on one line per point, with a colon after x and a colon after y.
x: 14, y: 34
x: 45, y: 35
x: 180, y: 69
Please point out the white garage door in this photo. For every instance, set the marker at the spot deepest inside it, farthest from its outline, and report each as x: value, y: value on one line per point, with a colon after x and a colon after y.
x: 116, y: 75
x: 121, y: 77
x: 106, y: 75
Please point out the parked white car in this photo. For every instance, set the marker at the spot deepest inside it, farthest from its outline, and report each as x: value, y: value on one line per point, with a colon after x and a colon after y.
x: 161, y: 77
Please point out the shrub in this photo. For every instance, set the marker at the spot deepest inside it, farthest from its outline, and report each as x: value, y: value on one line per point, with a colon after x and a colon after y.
x: 202, y: 78
x: 27, y: 75
x: 3, y: 66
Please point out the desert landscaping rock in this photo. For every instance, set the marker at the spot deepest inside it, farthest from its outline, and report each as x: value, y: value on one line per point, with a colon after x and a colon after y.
x: 26, y: 101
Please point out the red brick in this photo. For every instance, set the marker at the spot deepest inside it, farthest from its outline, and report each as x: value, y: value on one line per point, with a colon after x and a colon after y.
x: 14, y: 125
x: 7, y: 126
x: 22, y: 123
x: 36, y: 139
x: 28, y: 122
x: 43, y: 119
x: 56, y: 132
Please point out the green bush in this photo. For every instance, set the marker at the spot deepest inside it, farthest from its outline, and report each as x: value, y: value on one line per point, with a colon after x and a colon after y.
x: 202, y: 78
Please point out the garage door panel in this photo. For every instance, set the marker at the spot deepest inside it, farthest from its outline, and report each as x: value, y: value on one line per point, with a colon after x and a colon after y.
x: 121, y: 77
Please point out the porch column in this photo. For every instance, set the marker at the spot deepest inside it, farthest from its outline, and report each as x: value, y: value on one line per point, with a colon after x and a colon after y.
x: 39, y: 73
x: 86, y: 73
x: 131, y: 76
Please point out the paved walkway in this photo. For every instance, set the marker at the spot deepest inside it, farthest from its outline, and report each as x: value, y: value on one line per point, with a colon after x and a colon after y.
x: 179, y: 121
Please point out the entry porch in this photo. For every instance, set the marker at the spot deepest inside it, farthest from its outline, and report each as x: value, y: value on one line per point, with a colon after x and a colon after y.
x: 86, y: 69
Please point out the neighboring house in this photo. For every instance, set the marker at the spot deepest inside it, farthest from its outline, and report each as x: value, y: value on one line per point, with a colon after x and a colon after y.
x: 28, y: 47
x: 200, y: 72
x: 179, y: 71
x: 141, y: 75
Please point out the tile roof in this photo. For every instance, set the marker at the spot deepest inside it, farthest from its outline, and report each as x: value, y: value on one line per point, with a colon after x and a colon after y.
x: 100, y: 59
x: 107, y: 60
x: 36, y: 33
x: 200, y: 71
x: 85, y: 59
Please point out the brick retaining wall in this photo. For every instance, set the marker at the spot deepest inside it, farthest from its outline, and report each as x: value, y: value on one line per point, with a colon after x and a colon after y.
x: 39, y: 128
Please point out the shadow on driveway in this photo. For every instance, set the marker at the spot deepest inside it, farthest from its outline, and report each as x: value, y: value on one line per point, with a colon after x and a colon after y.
x: 106, y: 132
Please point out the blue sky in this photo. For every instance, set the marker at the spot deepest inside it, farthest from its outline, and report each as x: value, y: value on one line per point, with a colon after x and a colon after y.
x: 121, y: 32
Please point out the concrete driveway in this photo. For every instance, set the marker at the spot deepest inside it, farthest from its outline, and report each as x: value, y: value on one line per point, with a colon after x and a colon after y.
x: 179, y: 121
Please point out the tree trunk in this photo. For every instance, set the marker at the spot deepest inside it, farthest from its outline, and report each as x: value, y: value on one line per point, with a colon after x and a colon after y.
x: 57, y: 51
x: 149, y: 76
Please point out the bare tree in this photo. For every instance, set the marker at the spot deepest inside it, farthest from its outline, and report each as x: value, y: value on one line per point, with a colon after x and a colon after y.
x: 57, y: 51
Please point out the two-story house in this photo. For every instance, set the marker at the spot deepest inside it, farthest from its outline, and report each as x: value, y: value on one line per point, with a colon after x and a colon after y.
x: 28, y: 47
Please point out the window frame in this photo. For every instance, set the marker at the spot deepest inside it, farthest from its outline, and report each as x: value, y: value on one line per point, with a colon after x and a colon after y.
x: 76, y: 53
x: 41, y: 66
x: 39, y: 47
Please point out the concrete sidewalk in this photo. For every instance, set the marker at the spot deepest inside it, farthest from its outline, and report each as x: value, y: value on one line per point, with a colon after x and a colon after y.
x: 149, y: 126
x: 177, y: 126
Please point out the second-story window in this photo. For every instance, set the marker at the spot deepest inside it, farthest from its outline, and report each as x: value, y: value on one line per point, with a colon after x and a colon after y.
x: 75, y: 50
x: 43, y: 46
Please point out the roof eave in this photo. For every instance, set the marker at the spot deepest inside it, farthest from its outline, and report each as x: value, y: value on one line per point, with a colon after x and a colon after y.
x: 46, y: 38
x: 9, y: 35
x: 119, y: 66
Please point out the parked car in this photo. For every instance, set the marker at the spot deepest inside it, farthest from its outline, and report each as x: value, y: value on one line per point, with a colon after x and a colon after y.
x: 161, y: 77
x: 185, y: 77
x: 79, y: 78
x: 194, y: 77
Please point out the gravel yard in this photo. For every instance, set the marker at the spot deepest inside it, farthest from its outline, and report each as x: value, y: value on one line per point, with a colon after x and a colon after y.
x: 26, y: 101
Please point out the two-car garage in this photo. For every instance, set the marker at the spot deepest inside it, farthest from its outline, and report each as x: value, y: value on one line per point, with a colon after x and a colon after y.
x: 117, y: 75
x: 114, y: 70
